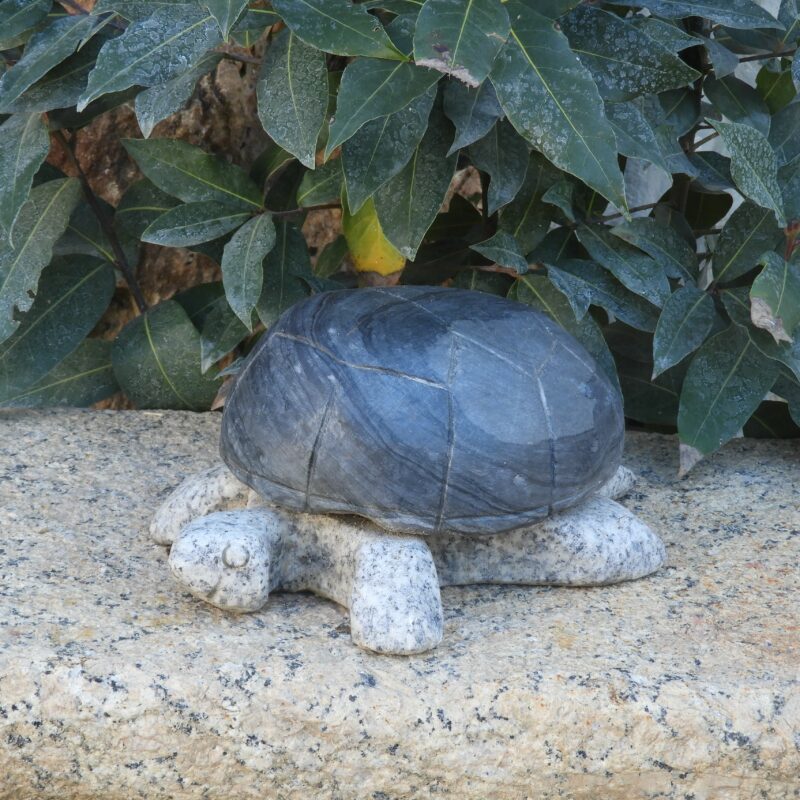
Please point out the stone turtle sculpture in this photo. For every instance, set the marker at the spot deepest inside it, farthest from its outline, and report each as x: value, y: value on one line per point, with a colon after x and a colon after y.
x: 457, y: 437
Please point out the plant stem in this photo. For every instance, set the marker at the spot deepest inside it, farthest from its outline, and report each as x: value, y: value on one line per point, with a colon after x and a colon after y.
x: 120, y: 259
x: 765, y: 56
x: 632, y: 210
x: 696, y: 145
x: 245, y: 59
x: 293, y: 211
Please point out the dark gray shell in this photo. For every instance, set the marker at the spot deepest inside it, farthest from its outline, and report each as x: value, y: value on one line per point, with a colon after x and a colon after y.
x: 424, y: 409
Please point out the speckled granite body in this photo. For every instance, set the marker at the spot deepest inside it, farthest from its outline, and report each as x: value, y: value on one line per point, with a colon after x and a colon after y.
x: 389, y: 582
x: 492, y: 446
x: 114, y: 686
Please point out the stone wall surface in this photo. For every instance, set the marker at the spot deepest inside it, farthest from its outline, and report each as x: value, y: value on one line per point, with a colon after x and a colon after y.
x: 114, y: 684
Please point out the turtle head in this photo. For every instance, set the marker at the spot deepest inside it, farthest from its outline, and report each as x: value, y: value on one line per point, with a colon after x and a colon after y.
x: 225, y: 558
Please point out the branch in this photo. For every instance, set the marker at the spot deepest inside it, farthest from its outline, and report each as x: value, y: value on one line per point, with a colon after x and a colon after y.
x: 120, y: 259
x: 765, y: 56
x: 633, y: 210
x: 294, y: 211
x: 708, y: 138
x: 245, y: 59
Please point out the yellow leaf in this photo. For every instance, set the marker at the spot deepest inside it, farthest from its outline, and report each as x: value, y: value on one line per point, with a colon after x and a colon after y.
x: 370, y: 250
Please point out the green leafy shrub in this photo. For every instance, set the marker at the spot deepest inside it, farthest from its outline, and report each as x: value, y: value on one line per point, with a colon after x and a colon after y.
x: 564, y: 107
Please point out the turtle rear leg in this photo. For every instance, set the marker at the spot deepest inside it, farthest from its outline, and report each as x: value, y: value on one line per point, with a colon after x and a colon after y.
x: 214, y: 489
x: 618, y: 485
x: 595, y: 543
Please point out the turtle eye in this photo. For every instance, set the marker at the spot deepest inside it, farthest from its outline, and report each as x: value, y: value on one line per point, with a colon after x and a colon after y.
x: 235, y: 555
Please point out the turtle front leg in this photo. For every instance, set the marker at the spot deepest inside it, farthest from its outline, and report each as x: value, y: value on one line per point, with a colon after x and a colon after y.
x: 213, y: 489
x: 595, y: 543
x: 395, y: 602
x: 389, y: 582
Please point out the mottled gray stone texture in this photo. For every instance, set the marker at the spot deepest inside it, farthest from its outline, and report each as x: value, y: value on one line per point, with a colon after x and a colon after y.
x: 417, y: 407
x: 114, y: 685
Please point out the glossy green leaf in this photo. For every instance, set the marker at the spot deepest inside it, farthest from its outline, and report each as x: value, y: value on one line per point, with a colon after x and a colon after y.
x: 45, y: 50
x: 225, y: 12
x: 539, y: 292
x: 165, y: 99
x: 634, y: 134
x: 156, y: 360
x: 502, y: 249
x: 152, y: 51
x: 784, y: 135
x: 775, y: 87
x: 669, y: 34
x: 732, y: 13
x: 293, y: 95
x: 775, y: 297
x: 472, y: 111
x: 748, y: 233
x: 372, y: 88
x: 503, y: 155
x: 337, y: 26
x: 526, y: 217
x: 19, y: 16
x: 242, y: 270
x: 725, y: 383
x: 382, y: 147
x: 789, y: 178
x: 194, y: 223
x: 662, y: 243
x: 85, y: 235
x: 84, y: 377
x: 563, y: 195
x: 647, y: 400
x: 286, y: 271
x: 623, y: 59
x: 553, y: 9
x: 198, y: 301
x: 321, y: 185
x: 408, y: 204
x: 74, y: 292
x: 789, y: 17
x: 137, y: 10
x: 585, y: 283
x: 738, y: 101
x: 753, y: 165
x: 252, y: 25
x: 40, y: 223
x: 723, y: 60
x: 24, y: 144
x: 713, y: 171
x: 552, y: 100
x: 142, y: 204
x: 61, y: 86
x: 737, y: 304
x: 330, y: 259
x: 460, y: 37
x: 222, y: 331
x: 686, y: 320
x: 633, y: 268
x: 192, y: 175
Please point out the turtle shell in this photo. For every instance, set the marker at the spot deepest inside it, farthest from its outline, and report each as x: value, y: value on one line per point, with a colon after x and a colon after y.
x: 424, y: 409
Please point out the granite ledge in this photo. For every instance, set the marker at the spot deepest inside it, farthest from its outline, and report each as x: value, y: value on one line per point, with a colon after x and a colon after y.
x: 114, y: 684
